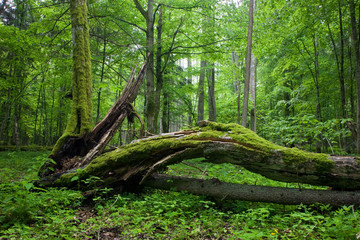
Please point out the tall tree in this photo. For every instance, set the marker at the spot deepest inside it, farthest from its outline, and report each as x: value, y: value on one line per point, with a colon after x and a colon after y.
x: 150, y: 111
x: 80, y: 121
x: 248, y: 64
x: 355, y: 42
x: 253, y: 93
x: 237, y: 86
x: 211, y: 93
x: 201, y: 98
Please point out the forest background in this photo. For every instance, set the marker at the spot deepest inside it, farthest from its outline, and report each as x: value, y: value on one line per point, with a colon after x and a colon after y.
x: 305, y: 62
x: 305, y: 92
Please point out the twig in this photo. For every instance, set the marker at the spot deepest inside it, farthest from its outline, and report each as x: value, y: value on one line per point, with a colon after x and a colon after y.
x: 191, y: 165
x: 311, y: 230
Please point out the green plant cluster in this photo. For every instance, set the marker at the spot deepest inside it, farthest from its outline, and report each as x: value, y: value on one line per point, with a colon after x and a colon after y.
x: 27, y: 212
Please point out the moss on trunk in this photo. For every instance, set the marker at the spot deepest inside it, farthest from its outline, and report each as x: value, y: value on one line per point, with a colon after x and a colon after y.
x: 80, y: 121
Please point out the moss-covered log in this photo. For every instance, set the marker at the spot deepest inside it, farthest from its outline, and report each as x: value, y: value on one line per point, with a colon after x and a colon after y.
x: 217, y: 143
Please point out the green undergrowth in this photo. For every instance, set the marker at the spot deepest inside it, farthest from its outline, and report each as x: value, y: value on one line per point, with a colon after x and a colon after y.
x: 27, y: 212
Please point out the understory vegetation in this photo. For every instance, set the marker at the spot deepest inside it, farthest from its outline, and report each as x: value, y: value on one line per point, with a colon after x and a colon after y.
x: 28, y: 212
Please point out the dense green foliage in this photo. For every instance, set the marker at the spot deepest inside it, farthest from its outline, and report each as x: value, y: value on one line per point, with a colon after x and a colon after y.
x: 306, y: 93
x: 30, y: 213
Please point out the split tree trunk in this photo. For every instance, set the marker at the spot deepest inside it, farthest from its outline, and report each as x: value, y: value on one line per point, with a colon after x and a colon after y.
x: 78, y: 151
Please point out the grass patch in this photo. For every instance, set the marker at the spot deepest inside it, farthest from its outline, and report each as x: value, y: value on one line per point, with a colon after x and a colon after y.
x: 30, y: 213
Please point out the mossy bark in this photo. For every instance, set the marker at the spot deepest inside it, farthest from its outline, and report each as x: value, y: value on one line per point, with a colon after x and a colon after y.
x: 217, y: 143
x: 80, y: 142
x: 80, y: 121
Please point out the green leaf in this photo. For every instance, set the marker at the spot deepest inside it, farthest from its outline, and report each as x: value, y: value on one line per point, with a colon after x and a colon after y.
x: 74, y: 178
x: 28, y: 186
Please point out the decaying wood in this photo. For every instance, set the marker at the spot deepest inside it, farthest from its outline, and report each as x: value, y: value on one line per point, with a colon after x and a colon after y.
x: 232, y: 191
x: 217, y: 143
x: 77, y: 152
x: 103, y: 132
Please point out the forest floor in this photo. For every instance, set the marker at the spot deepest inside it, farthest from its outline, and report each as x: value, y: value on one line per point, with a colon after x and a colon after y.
x: 27, y: 212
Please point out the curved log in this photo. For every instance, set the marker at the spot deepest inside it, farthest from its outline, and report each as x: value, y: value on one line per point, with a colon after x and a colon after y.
x: 217, y: 143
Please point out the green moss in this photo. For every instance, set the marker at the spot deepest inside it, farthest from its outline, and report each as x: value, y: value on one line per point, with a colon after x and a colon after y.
x: 252, y: 142
x: 208, y: 134
x: 80, y: 120
x: 250, y: 145
x: 59, y: 144
x: 297, y: 157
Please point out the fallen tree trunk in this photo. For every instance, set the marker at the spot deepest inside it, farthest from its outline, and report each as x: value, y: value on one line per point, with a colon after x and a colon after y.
x: 223, y: 190
x: 218, y: 143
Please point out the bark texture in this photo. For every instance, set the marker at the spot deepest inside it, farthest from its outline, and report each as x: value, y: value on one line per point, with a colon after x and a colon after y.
x: 80, y: 121
x: 223, y: 190
x: 217, y: 143
x: 201, y: 94
x: 248, y: 64
x: 355, y: 42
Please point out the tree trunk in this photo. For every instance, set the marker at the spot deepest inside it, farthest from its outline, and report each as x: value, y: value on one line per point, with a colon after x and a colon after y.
x: 165, y: 120
x: 158, y: 70
x: 355, y: 41
x: 78, y: 139
x: 211, y: 93
x: 317, y: 87
x: 237, y: 86
x: 189, y: 82
x: 80, y: 121
x: 150, y: 85
x: 243, y: 192
x: 201, y: 99
x: 341, y: 70
x: 217, y: 143
x: 253, y: 93
x: 101, y: 78
x: 248, y: 64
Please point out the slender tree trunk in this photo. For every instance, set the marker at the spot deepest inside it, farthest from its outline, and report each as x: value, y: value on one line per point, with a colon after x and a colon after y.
x: 341, y: 75
x: 316, y: 67
x: 211, y: 93
x: 201, y: 100
x: 46, y: 123
x: 165, y: 120
x: 342, y: 79
x: 158, y: 70
x: 189, y: 82
x: 248, y: 64
x: 253, y: 93
x: 317, y: 87
x: 150, y: 105
x: 36, y: 113
x: 150, y: 84
x: 237, y: 86
x: 355, y: 41
x: 101, y: 78
x: 51, y: 125
x: 351, y: 76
